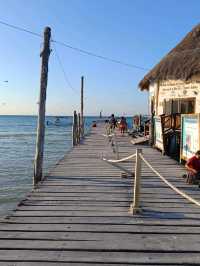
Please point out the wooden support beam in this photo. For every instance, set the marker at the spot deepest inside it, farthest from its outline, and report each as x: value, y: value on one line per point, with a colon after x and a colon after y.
x: 79, y: 128
x: 74, y: 129
x: 151, y: 130
x: 42, y: 104
x: 82, y: 106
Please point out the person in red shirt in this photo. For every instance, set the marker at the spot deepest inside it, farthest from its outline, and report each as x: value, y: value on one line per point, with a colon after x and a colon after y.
x: 193, y: 166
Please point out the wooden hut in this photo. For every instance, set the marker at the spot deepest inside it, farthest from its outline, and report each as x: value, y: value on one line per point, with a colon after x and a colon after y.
x: 174, y: 96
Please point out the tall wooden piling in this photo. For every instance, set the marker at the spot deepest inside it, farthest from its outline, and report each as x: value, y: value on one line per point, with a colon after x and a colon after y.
x: 42, y: 104
x: 74, y: 129
x: 79, y: 129
x: 82, y: 106
x: 151, y: 130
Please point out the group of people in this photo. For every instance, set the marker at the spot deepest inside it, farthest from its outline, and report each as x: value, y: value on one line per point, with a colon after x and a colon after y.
x: 192, y: 165
x: 113, y: 123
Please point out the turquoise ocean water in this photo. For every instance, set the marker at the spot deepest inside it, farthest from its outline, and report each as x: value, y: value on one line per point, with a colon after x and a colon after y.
x: 17, y: 150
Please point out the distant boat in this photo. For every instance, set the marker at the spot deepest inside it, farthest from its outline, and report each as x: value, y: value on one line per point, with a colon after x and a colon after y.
x: 59, y: 121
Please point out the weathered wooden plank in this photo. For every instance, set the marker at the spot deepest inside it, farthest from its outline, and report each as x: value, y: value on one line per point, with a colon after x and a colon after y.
x: 127, y: 194
x: 74, y: 203
x: 99, y: 257
x: 105, y: 208
x: 79, y: 189
x: 90, y: 183
x: 110, y: 228
x: 99, y: 240
x: 125, y: 213
x: 143, y: 242
x: 86, y: 213
x: 86, y: 198
x: 28, y: 263
x: 73, y: 208
x: 163, y: 219
x: 81, y: 194
x: 108, y: 198
x: 109, y: 204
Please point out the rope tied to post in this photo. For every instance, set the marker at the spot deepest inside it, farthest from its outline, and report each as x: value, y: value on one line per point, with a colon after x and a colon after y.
x: 135, y: 206
x: 183, y: 194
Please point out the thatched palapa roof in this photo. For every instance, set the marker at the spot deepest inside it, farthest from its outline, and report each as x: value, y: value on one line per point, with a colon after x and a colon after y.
x: 182, y: 62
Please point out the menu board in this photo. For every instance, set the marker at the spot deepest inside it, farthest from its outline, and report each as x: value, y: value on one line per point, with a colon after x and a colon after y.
x: 158, y: 133
x: 189, y: 135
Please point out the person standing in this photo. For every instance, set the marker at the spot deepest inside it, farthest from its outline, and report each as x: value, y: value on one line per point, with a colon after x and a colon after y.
x: 123, y: 125
x: 112, y: 123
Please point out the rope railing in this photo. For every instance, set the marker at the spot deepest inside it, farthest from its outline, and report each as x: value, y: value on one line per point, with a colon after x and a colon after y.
x: 183, y: 194
x: 109, y: 135
x: 120, y: 160
x: 135, y: 206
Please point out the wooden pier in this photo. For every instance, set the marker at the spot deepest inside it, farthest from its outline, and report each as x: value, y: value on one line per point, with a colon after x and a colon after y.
x: 79, y: 215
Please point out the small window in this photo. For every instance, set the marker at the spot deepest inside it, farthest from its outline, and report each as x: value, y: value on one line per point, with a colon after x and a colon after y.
x: 175, y: 107
x: 167, y: 107
x: 187, y: 106
x: 179, y: 106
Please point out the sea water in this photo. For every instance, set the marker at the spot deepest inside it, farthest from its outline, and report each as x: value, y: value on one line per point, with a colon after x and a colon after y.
x: 17, y: 150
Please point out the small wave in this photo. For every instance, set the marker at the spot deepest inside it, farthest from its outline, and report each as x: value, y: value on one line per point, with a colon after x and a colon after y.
x: 15, y: 188
x: 7, y: 199
x: 17, y: 135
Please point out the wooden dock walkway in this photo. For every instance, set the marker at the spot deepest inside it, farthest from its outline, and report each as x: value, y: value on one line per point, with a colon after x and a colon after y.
x: 79, y: 213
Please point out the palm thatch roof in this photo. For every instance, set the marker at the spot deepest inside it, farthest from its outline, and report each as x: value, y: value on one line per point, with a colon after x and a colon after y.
x: 182, y: 62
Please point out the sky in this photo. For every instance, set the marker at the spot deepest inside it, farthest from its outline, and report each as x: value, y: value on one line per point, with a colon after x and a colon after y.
x: 138, y: 32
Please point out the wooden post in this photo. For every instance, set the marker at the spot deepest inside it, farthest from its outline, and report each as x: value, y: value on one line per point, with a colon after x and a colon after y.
x: 82, y: 118
x: 151, y: 130
x: 42, y: 104
x: 135, y: 208
x: 79, y: 128
x: 74, y: 129
x: 140, y: 122
x: 116, y: 146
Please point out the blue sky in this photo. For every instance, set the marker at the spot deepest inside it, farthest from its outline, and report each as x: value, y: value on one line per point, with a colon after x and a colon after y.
x: 138, y: 32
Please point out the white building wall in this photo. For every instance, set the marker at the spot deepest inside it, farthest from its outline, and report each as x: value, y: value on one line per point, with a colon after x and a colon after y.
x: 173, y: 89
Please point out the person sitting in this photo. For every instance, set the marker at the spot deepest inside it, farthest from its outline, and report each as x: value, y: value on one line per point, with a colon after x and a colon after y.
x: 193, y: 166
x: 94, y: 124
